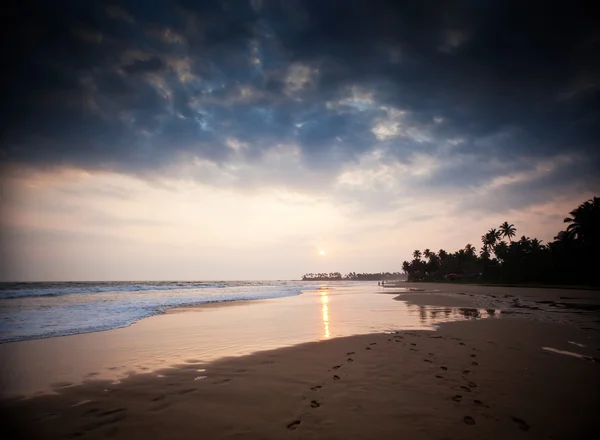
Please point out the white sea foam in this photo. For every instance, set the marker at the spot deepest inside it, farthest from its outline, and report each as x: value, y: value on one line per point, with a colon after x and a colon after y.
x: 42, y: 310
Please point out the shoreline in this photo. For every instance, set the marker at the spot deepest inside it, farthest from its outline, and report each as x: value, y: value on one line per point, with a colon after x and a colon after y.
x: 467, y: 377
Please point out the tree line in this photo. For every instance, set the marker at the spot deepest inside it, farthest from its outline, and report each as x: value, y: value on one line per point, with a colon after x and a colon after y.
x: 353, y: 276
x: 571, y: 258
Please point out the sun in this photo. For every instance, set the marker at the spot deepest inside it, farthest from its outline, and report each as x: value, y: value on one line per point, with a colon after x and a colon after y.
x: 321, y: 252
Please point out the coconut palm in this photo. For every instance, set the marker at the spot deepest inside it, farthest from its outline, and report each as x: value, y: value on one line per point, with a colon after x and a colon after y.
x: 428, y: 254
x: 470, y: 250
x: 501, y: 250
x: 584, y: 222
x: 490, y: 238
x: 417, y: 254
x: 565, y: 236
x: 536, y: 245
x: 507, y: 230
x: 485, y: 253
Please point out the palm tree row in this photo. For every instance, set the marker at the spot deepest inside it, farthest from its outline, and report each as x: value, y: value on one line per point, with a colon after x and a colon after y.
x: 572, y: 258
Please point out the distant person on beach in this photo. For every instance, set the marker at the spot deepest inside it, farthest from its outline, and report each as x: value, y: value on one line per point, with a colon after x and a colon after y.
x: 382, y: 283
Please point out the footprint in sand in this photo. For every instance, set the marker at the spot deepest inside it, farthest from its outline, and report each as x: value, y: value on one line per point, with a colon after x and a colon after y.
x: 158, y: 398
x: 111, y: 411
x: 472, y: 385
x: 160, y: 407
x: 294, y: 425
x: 336, y: 377
x: 469, y: 420
x: 444, y: 368
x: 47, y: 417
x: 413, y: 349
x: 457, y: 398
x: 461, y: 343
x: 349, y: 353
x: 523, y: 425
x: 368, y: 348
x: 413, y: 344
x: 222, y: 381
x: 465, y: 388
x: 474, y: 363
x: 314, y: 404
x: 335, y: 367
x: 439, y: 377
x: 466, y: 371
x: 480, y: 403
x: 373, y: 343
x: 350, y: 360
x: 473, y: 355
x: 315, y: 388
x: 427, y: 360
x: 188, y: 391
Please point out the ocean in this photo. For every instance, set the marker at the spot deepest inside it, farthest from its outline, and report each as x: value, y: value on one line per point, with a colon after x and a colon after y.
x: 43, y: 310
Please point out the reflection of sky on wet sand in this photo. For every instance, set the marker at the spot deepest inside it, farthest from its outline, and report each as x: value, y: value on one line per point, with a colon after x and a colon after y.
x: 209, y: 333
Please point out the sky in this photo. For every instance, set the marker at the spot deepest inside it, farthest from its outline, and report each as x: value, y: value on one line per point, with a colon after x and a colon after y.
x: 236, y: 139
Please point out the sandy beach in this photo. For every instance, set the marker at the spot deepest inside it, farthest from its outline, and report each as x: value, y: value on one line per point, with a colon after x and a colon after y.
x: 514, y: 363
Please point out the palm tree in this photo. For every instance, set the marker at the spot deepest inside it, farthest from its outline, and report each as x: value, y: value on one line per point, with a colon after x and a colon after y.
x: 470, y: 250
x: 406, y: 266
x: 417, y: 254
x: 564, y: 236
x: 489, y: 239
x: 508, y: 230
x: 584, y: 222
x: 495, y: 234
x: 536, y: 245
x: 427, y: 254
x: 485, y: 253
x: 501, y: 250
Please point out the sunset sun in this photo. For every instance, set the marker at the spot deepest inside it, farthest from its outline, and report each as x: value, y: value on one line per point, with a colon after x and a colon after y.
x: 321, y: 252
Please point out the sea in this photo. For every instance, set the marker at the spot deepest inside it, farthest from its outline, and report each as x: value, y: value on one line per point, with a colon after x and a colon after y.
x: 43, y: 310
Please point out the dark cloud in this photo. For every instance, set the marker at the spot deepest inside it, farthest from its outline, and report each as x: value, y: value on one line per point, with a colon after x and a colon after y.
x: 153, y: 64
x: 136, y: 86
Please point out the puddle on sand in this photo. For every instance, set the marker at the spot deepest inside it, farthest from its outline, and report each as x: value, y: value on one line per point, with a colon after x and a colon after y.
x: 433, y: 315
x: 576, y: 343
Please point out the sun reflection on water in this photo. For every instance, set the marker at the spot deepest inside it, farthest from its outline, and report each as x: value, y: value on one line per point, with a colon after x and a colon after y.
x: 325, y: 313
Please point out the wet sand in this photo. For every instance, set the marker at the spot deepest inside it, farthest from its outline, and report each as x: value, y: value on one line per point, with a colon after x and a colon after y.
x: 208, y: 333
x: 513, y: 377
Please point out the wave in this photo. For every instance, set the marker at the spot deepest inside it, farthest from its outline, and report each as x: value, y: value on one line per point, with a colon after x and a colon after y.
x: 60, y: 289
x: 35, y: 320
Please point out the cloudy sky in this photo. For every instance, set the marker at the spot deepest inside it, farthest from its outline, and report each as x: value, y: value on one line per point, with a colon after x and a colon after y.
x: 235, y: 139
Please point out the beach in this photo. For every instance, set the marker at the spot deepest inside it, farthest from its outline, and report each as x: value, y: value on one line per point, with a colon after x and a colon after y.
x: 426, y: 361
